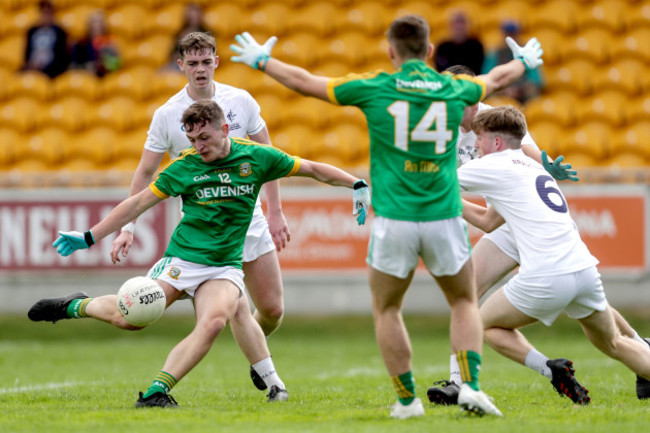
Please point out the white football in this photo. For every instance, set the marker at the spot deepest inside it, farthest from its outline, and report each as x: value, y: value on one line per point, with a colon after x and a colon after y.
x: 141, y: 301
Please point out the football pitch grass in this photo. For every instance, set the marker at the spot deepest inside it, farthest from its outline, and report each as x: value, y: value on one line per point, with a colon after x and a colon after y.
x: 83, y: 376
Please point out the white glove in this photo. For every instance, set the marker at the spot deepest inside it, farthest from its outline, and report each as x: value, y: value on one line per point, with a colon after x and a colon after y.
x: 530, y: 53
x: 252, y: 53
x: 361, y: 201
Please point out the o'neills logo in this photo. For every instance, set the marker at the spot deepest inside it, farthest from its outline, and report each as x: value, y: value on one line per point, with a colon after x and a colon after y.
x: 174, y: 273
x: 245, y: 169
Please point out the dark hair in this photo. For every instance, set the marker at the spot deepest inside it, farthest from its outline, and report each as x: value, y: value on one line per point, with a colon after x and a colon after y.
x: 409, y: 35
x: 460, y: 70
x: 201, y: 113
x: 197, y: 42
x: 506, y: 121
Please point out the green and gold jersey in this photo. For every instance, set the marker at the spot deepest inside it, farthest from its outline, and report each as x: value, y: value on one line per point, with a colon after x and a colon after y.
x: 413, y: 118
x: 218, y: 199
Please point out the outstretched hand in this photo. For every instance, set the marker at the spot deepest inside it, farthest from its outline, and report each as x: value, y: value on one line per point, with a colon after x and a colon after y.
x: 361, y: 201
x: 69, y: 242
x: 558, y: 170
x: 252, y: 53
x: 530, y: 54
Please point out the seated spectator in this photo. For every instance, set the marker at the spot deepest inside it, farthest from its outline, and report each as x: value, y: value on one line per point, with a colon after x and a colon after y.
x: 192, y: 22
x: 46, y: 49
x: 97, y: 51
x: 461, y: 48
x: 531, y: 83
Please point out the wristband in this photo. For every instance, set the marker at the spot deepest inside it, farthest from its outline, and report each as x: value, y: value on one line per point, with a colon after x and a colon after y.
x: 88, y: 237
x: 260, y: 63
x: 360, y: 184
x: 130, y: 227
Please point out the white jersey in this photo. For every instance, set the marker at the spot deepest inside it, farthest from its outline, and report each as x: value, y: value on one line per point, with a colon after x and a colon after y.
x: 465, y: 141
x: 166, y: 133
x: 535, y: 210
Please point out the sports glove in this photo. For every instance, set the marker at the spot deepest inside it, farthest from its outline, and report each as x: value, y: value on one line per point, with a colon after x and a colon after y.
x: 361, y: 201
x: 252, y: 53
x: 69, y: 242
x: 530, y: 53
x: 558, y: 170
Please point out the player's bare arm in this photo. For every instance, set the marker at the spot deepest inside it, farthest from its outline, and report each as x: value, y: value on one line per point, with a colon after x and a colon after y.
x: 484, y: 218
x: 149, y: 163
x: 278, y: 226
x: 293, y: 77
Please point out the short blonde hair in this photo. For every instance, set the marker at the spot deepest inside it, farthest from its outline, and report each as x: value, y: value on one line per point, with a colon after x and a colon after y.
x: 505, y: 121
x: 197, y: 42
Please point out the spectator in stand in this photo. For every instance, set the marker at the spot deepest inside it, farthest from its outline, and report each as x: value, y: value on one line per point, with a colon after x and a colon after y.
x: 46, y: 49
x: 531, y: 83
x: 192, y: 22
x: 97, y: 51
x: 461, y: 48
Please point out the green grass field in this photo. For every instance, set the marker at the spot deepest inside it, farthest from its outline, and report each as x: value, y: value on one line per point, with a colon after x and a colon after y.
x: 83, y: 376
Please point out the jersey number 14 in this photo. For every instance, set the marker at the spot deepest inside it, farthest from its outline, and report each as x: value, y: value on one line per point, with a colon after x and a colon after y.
x: 423, y: 132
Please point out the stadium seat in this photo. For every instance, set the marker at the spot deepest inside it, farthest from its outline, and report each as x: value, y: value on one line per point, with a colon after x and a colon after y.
x: 269, y: 18
x: 32, y: 84
x: 336, y: 68
x: 75, y: 19
x: 501, y: 100
x: 167, y: 20
x: 20, y: 113
x: 120, y: 113
x: 591, y: 44
x: 320, y: 18
x: 273, y: 109
x: 636, y: 15
x: 638, y: 109
x: 630, y: 146
x: 295, y: 140
x: 625, y: 75
x: 45, y: 144
x: 557, y: 107
x: 10, y: 141
x: 16, y: 23
x: 167, y: 83
x: 302, y: 48
x: 129, y: 145
x: 129, y: 20
x: 634, y: 44
x: 555, y: 14
x: 552, y: 41
x: 95, y: 148
x: 606, y: 106
x: 223, y: 18
x: 369, y: 17
x: 12, y: 51
x: 152, y: 51
x: 590, y: 139
x: 547, y: 134
x: 134, y: 82
x: 602, y: 14
x: 574, y: 76
x: 345, y: 46
x: 69, y: 113
x: 77, y: 82
x: 347, y: 142
x: 493, y: 16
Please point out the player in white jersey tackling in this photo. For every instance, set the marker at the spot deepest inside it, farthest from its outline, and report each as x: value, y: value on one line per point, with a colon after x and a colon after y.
x: 557, y: 273
x: 198, y: 60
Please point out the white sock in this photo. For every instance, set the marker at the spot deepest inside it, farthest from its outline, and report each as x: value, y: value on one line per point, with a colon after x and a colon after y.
x: 454, y: 370
x: 266, y: 370
x: 638, y: 338
x: 537, y: 361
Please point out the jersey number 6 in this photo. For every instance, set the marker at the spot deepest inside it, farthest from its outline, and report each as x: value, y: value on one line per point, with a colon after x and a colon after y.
x: 545, y: 193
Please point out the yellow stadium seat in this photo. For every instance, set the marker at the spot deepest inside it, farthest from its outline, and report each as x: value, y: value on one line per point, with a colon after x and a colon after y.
x: 493, y: 16
x: 555, y: 14
x: 223, y: 18
x: 637, y: 15
x: 29, y: 83
x: 501, y: 100
x: 607, y: 106
x: 348, y: 142
x: 295, y: 140
x: 632, y: 140
x: 20, y: 113
x: 75, y: 19
x: 10, y: 142
x: 638, y: 109
x: 129, y: 19
x: 46, y: 144
x: 320, y: 18
x: 77, y: 82
x: 310, y: 112
x: 134, y: 82
x: 269, y: 18
x: 167, y: 83
x: 167, y: 20
x: 152, y: 51
x: 119, y: 113
x: 590, y: 139
x: 547, y: 134
x: 557, y: 107
x: 95, y: 147
x: 625, y: 75
x: 369, y: 17
x: 305, y: 49
x: 273, y: 109
x: 345, y: 46
x: 573, y: 75
x: 552, y: 41
x: 591, y: 44
x: 69, y: 113
x: 634, y: 44
x: 16, y: 23
x: 12, y: 51
x: 603, y: 14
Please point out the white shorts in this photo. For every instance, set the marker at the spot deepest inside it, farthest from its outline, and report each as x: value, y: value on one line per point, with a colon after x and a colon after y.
x: 258, y: 238
x: 505, y: 241
x: 578, y: 294
x: 396, y: 246
x: 187, y: 276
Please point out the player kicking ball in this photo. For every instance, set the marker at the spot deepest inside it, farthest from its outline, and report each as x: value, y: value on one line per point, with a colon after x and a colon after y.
x: 218, y: 179
x: 557, y: 273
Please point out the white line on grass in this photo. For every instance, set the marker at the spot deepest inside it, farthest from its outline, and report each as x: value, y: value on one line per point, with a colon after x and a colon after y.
x: 41, y: 387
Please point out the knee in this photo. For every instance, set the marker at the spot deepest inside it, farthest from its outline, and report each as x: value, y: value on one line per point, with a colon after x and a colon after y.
x: 211, y: 327
x: 273, y: 313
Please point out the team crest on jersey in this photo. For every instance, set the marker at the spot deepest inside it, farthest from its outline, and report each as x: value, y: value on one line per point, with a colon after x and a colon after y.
x: 174, y: 273
x: 245, y: 169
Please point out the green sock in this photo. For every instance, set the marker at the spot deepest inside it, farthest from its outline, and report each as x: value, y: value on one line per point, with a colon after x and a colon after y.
x: 77, y: 308
x: 163, y: 382
x: 404, y: 385
x: 470, y: 364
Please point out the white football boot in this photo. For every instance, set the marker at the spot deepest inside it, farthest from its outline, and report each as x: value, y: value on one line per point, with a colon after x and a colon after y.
x: 477, y: 402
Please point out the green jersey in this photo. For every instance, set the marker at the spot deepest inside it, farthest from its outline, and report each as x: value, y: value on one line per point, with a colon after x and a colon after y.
x: 218, y: 199
x: 413, y: 118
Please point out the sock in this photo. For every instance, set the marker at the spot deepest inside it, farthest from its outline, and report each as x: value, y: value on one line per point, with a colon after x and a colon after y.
x: 470, y: 364
x: 163, y: 382
x: 537, y: 361
x: 404, y: 385
x: 638, y: 338
x: 454, y: 370
x: 77, y: 308
x: 266, y: 370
